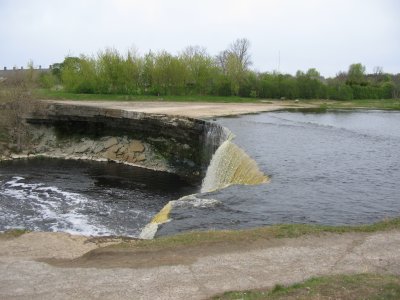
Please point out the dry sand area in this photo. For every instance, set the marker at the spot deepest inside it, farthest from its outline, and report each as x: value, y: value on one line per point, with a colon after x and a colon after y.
x: 190, y: 109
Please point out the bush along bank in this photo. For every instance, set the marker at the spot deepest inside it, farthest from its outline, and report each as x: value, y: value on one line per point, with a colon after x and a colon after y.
x: 195, y: 72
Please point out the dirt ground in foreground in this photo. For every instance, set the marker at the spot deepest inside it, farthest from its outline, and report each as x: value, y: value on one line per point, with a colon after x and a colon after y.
x: 41, y: 265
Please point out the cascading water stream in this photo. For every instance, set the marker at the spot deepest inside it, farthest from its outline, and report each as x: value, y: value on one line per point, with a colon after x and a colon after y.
x: 229, y: 165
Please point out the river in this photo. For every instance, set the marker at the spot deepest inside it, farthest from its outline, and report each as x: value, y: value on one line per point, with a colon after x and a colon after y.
x: 333, y: 168
x: 83, y: 197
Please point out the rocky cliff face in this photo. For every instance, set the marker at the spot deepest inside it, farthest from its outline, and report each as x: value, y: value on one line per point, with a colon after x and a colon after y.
x: 121, y: 149
x: 175, y: 144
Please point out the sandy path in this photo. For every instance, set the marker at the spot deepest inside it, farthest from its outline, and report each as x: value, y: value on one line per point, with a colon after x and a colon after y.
x: 186, y: 273
x: 189, y: 109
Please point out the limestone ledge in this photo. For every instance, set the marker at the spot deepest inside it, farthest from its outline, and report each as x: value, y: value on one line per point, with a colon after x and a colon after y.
x: 109, y: 148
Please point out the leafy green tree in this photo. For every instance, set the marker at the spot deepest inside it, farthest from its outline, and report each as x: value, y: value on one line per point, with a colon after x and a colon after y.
x: 169, y: 74
x: 79, y: 74
x: 396, y: 86
x: 235, y: 73
x: 111, y: 72
x: 146, y: 78
x: 310, y: 85
x: 234, y: 63
x: 56, y: 70
x: 200, y: 69
x: 240, y: 49
x: 194, y: 71
x: 269, y: 86
x: 356, y: 74
x: 47, y: 80
x: 339, y: 91
x: 288, y: 86
x: 250, y: 86
x: 133, y: 69
x: 313, y: 74
x: 222, y: 86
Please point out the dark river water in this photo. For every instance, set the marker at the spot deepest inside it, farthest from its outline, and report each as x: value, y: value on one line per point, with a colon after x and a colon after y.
x: 89, y: 198
x: 326, y: 168
x: 329, y: 168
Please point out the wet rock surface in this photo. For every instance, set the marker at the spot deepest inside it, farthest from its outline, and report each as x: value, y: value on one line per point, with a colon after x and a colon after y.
x: 118, y: 149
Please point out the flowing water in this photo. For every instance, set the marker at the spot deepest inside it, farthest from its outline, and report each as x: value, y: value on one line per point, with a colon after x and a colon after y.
x: 89, y: 198
x: 332, y: 168
x: 329, y: 168
x: 231, y: 165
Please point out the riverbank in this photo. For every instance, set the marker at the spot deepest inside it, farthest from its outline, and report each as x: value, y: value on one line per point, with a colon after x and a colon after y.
x: 201, y: 110
x: 387, y: 104
x: 384, y: 104
x: 204, y: 110
x: 184, y: 266
x: 41, y: 265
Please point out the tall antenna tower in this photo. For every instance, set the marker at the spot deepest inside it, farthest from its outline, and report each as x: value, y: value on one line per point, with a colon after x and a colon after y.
x: 279, y: 61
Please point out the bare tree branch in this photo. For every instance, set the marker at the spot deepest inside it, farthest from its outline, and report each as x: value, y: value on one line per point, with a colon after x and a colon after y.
x: 240, y: 48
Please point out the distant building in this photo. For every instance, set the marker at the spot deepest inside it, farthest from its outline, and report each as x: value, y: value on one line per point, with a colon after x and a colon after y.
x: 7, y: 72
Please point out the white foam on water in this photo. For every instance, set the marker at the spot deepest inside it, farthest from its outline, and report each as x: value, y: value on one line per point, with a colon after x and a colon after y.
x: 194, y: 201
x: 55, y: 205
x: 15, y: 182
x: 149, y: 231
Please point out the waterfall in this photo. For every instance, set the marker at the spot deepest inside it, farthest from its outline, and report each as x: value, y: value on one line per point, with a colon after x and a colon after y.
x: 213, y: 137
x: 231, y: 165
x: 149, y: 231
x: 228, y: 164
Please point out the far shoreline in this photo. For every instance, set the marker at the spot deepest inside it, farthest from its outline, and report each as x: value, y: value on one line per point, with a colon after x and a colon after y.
x: 228, y: 106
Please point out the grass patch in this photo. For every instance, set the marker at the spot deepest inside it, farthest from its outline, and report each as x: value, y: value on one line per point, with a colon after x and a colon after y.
x: 360, y: 286
x: 250, y: 235
x: 13, y: 233
x: 385, y: 104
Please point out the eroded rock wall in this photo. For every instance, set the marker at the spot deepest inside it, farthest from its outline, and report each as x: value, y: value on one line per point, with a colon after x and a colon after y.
x: 119, y: 149
x: 175, y: 144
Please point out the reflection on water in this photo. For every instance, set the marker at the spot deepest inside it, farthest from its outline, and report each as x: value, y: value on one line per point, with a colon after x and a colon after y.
x: 331, y: 168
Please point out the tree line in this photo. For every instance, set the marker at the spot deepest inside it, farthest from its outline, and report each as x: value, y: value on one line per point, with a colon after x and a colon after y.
x: 195, y: 72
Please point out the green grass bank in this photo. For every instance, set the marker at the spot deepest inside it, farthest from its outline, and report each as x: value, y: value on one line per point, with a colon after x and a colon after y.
x: 201, y: 238
x: 345, y: 287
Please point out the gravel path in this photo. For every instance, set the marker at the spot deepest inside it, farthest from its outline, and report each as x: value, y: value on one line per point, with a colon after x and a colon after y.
x: 187, y: 273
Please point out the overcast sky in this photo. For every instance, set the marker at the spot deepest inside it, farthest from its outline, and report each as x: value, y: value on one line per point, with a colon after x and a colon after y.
x: 327, y: 34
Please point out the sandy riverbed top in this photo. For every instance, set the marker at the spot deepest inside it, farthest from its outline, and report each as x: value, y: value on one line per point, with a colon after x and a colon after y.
x: 200, y: 110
